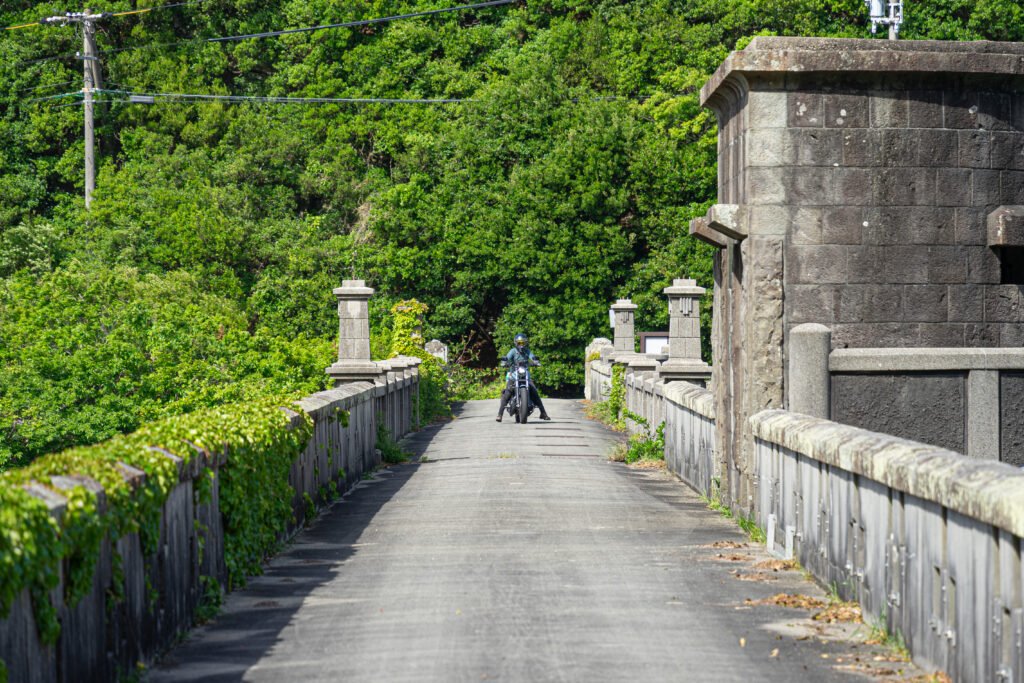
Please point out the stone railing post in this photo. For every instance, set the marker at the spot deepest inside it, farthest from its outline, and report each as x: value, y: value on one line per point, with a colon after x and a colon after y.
x: 353, y: 364
x: 809, y: 379
x: 684, y: 361
x: 625, y: 339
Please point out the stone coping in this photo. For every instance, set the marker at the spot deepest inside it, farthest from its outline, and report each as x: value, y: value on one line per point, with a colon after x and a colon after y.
x: 773, y: 54
x: 984, y: 490
x: 692, y: 397
x: 924, y: 359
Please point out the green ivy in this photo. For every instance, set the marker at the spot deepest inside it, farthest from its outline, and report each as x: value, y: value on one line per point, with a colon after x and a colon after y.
x: 254, y: 498
x: 406, y: 340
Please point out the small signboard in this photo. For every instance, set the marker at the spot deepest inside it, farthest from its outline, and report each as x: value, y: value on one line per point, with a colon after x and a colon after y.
x: 653, y: 342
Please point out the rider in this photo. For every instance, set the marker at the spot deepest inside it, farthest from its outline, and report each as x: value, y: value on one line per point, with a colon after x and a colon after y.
x: 520, y: 351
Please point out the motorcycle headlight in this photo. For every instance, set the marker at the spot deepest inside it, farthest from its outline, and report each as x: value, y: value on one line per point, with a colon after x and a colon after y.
x: 522, y: 371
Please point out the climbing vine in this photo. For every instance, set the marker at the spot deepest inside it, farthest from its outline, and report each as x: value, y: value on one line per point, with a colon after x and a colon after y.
x: 407, y: 340
x: 261, y: 442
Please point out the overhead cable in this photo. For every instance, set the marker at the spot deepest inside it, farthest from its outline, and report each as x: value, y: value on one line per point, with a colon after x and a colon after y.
x: 346, y: 24
x: 40, y: 22
x: 193, y: 98
x: 46, y: 85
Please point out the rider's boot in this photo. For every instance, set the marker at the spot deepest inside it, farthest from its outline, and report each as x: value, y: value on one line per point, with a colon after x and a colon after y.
x: 544, y: 415
x: 498, y: 419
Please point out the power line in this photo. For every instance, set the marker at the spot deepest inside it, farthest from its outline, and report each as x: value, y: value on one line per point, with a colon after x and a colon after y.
x: 51, y: 20
x: 346, y: 24
x: 194, y: 98
x: 47, y: 85
x: 249, y: 36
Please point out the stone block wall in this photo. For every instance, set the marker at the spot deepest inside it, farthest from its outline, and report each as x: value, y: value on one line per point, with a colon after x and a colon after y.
x: 887, y: 190
x: 859, y: 185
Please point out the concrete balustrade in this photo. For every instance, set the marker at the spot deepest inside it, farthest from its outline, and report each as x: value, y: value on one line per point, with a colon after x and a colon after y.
x: 927, y: 540
x: 162, y: 592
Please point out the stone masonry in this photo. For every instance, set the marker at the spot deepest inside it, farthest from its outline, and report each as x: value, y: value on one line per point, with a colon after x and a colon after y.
x: 871, y: 186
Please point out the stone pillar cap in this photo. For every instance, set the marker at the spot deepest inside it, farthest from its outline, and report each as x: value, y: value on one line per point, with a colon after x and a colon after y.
x: 624, y: 305
x: 641, y: 362
x: 353, y: 289
x: 684, y: 288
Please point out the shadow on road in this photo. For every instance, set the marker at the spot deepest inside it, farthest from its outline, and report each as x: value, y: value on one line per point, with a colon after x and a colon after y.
x: 253, y: 619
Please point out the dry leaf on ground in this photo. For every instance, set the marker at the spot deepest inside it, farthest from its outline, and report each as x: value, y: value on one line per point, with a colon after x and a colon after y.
x: 756, y: 577
x: 727, y: 544
x: 840, y: 612
x: 776, y: 565
x: 797, y: 600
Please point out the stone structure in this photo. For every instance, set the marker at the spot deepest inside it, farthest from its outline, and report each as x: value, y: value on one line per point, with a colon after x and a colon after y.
x: 624, y: 311
x: 437, y: 349
x: 101, y: 639
x: 354, y: 364
x: 684, y: 361
x: 872, y: 187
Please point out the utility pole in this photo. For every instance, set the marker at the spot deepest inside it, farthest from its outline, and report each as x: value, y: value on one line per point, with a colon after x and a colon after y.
x: 92, y: 81
x: 877, y: 15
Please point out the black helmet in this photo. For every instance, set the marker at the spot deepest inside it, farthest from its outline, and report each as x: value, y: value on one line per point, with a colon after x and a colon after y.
x: 521, y: 341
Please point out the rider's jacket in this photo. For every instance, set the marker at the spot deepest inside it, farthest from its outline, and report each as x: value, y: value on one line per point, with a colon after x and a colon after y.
x: 515, y: 355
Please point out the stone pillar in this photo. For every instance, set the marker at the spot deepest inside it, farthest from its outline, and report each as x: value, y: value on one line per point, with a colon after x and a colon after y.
x: 684, y: 361
x: 809, y: 379
x: 625, y: 339
x: 983, y: 414
x: 353, y: 364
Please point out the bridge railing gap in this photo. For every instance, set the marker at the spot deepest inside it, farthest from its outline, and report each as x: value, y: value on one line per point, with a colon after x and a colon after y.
x: 868, y: 384
x: 102, y: 638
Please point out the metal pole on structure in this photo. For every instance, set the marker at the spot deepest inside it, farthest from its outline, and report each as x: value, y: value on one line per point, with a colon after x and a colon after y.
x: 90, y: 70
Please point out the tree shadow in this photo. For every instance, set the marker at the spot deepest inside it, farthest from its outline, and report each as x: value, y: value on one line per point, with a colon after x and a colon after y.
x: 252, y: 619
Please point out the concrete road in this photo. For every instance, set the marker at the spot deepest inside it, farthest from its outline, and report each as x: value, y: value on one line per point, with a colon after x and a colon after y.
x: 518, y: 553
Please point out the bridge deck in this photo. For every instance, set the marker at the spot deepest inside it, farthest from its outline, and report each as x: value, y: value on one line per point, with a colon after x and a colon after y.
x: 518, y: 553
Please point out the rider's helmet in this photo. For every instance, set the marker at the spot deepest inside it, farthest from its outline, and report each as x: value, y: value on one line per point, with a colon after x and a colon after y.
x: 521, y: 341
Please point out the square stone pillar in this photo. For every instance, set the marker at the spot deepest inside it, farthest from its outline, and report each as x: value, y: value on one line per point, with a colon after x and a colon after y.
x: 625, y: 339
x: 353, y: 364
x: 684, y: 359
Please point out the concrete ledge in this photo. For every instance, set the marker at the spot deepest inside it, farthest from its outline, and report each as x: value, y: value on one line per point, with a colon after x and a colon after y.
x: 924, y: 359
x: 770, y: 54
x: 691, y: 397
x: 1005, y: 226
x: 989, y: 492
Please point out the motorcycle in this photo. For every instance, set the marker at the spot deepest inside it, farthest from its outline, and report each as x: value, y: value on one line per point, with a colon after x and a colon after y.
x: 520, y: 405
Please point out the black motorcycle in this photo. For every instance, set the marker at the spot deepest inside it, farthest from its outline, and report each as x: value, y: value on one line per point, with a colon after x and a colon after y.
x: 520, y: 405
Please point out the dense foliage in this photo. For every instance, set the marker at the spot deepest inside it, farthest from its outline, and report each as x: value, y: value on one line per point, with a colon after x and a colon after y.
x: 204, y: 271
x: 255, y: 499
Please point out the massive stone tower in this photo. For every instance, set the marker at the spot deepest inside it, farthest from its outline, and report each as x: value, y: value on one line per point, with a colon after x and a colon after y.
x: 874, y: 187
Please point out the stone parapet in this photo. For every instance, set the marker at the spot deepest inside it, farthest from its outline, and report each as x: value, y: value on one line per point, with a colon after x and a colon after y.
x: 692, y: 397
x: 925, y: 359
x: 928, y: 541
x: 95, y: 643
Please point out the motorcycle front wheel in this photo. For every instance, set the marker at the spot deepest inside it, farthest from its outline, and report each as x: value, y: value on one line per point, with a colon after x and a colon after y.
x: 524, y: 403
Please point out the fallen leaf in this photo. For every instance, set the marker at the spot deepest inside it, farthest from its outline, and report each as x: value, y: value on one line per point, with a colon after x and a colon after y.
x: 795, y: 600
x: 733, y: 557
x: 774, y: 653
x: 743, y: 642
x: 776, y: 565
x: 755, y: 577
x: 840, y: 612
x: 728, y: 544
